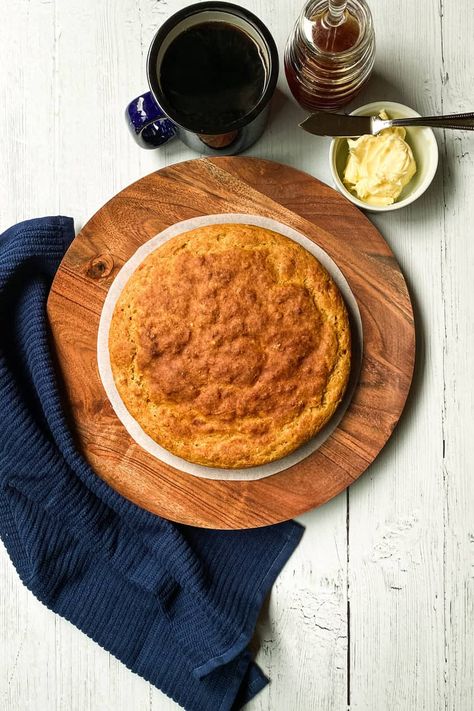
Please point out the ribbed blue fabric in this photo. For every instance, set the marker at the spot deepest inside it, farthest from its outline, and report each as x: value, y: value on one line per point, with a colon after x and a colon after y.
x: 176, y: 604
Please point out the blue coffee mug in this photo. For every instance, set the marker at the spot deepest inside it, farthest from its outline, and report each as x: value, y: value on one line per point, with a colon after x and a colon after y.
x: 153, y: 120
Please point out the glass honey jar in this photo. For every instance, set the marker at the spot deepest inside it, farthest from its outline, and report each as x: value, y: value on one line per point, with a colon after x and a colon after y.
x: 327, y: 64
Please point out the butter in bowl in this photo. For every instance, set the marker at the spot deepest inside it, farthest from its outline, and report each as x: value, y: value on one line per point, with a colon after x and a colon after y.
x: 389, y: 170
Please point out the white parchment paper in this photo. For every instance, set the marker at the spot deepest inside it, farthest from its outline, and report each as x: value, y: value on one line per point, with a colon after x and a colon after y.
x: 132, y: 426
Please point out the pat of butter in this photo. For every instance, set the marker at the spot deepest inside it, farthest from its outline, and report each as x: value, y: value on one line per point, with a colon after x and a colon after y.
x: 378, y: 167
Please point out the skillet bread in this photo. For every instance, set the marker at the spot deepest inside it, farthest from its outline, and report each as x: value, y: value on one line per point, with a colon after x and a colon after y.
x: 230, y: 345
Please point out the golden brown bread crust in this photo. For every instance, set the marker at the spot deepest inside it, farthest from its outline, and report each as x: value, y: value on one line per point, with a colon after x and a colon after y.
x: 230, y: 345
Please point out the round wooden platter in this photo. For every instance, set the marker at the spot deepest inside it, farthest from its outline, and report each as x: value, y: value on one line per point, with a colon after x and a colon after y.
x: 244, y: 185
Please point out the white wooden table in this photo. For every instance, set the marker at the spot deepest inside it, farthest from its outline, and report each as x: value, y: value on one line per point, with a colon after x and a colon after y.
x: 375, y: 611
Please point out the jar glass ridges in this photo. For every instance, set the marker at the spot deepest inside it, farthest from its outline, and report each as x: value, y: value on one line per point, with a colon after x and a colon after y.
x: 321, y: 79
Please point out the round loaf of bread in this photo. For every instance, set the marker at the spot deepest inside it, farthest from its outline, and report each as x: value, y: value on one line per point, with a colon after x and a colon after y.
x: 230, y: 345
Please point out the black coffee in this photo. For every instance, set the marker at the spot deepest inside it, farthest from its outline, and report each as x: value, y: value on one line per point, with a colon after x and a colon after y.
x: 212, y: 75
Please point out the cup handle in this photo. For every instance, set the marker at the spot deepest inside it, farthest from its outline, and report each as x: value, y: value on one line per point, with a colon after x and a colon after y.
x: 149, y: 126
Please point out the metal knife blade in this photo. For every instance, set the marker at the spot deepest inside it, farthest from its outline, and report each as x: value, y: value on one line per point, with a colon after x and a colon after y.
x: 323, y: 123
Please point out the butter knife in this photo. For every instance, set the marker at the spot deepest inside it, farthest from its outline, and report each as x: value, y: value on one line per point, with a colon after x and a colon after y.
x: 323, y: 123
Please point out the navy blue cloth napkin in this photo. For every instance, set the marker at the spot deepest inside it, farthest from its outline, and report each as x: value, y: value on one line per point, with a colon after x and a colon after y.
x: 176, y: 604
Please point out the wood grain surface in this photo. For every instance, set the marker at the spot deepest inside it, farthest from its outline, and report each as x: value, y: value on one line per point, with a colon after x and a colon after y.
x: 244, y: 185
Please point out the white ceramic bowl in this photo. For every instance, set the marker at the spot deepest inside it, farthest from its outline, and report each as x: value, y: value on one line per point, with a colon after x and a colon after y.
x: 423, y: 144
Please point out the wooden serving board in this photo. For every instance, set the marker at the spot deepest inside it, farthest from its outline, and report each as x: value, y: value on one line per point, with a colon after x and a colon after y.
x: 245, y: 185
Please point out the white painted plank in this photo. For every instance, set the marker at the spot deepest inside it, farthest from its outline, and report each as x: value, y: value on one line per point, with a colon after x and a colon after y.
x: 27, y: 189
x: 27, y: 126
x: 457, y: 263
x: 303, y: 634
x: 396, y: 509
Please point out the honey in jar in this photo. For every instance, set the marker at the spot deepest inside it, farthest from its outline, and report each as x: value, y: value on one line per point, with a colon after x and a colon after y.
x: 326, y: 65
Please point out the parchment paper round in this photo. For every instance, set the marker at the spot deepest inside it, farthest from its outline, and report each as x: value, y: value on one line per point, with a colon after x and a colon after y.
x: 132, y: 426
